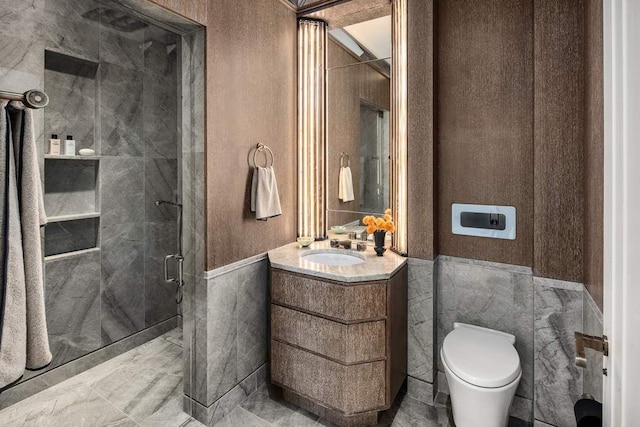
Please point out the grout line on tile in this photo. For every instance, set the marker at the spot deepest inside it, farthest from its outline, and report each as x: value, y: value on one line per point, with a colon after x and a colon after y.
x: 111, y: 404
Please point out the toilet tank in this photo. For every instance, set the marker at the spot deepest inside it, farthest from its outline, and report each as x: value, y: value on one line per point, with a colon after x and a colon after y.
x: 508, y: 337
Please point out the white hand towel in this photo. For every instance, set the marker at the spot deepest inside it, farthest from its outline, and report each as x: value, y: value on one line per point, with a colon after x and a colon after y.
x: 265, y: 200
x: 347, y: 187
x: 341, y: 184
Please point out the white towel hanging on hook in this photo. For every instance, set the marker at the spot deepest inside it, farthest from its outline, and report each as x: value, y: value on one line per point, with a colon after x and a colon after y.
x: 345, y: 180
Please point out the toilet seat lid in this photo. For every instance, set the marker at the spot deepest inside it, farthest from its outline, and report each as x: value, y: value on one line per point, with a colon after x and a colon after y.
x: 481, y: 358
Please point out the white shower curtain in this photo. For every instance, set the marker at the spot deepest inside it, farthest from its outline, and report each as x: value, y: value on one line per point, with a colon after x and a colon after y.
x: 23, y: 330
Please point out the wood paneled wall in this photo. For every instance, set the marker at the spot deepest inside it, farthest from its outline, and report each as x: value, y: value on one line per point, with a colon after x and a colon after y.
x: 484, y: 121
x: 421, y: 151
x: 594, y: 151
x: 500, y: 112
x: 251, y: 98
x: 515, y: 121
x: 559, y: 139
x: 196, y: 10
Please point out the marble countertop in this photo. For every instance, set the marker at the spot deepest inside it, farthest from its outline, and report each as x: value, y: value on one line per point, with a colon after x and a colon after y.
x: 289, y: 258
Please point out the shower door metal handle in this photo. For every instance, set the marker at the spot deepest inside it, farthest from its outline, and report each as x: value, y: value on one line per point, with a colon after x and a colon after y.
x: 179, y: 259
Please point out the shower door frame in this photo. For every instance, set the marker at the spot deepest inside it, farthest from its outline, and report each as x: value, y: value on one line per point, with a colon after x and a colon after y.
x: 621, y: 50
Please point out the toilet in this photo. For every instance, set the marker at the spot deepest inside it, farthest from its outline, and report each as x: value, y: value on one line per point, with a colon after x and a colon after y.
x: 483, y: 370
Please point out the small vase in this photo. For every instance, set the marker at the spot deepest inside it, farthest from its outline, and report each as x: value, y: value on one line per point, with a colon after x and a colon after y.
x: 378, y: 237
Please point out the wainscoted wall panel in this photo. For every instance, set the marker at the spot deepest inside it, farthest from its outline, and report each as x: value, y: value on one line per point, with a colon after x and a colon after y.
x: 212, y: 415
x: 543, y: 314
x: 231, y: 328
x: 558, y: 142
x: 484, y: 121
x: 421, y: 138
x: 420, y: 315
x: 558, y: 382
x: 491, y: 295
x: 594, y: 152
x: 252, y: 103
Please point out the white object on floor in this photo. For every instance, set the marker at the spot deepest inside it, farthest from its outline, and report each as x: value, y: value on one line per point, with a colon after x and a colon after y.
x: 483, y: 371
x: 345, y: 185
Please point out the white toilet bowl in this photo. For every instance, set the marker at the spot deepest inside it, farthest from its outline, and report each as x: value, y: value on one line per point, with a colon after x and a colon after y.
x: 483, y: 371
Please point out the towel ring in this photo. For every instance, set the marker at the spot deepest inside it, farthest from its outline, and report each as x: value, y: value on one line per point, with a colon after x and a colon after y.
x: 345, y: 156
x: 262, y: 148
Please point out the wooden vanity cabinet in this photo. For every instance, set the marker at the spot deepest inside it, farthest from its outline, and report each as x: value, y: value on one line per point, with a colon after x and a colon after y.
x: 339, y: 349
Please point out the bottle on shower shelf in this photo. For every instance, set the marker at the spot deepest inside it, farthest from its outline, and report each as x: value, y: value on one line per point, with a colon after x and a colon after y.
x: 54, y: 146
x: 70, y: 146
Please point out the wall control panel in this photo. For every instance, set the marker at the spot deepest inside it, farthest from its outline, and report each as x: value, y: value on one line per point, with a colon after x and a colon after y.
x: 498, y: 222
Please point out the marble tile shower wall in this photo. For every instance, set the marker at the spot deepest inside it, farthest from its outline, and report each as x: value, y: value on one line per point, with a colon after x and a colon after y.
x: 128, y: 112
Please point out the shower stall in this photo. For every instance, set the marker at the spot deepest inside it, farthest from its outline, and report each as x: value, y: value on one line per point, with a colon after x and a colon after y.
x: 125, y: 82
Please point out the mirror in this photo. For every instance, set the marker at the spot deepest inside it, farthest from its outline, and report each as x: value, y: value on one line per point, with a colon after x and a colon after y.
x: 344, y: 70
x: 358, y: 120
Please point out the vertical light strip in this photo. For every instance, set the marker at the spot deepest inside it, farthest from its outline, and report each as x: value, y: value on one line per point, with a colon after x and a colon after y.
x: 399, y: 124
x: 311, y: 140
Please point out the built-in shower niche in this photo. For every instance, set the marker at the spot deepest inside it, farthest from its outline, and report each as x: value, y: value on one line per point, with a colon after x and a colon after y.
x: 72, y: 85
x: 72, y: 204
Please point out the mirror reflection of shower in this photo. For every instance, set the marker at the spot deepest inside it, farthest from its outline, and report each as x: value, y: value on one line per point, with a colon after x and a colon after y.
x: 374, y: 158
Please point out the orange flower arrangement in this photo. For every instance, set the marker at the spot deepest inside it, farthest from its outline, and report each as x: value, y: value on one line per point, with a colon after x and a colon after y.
x: 384, y: 223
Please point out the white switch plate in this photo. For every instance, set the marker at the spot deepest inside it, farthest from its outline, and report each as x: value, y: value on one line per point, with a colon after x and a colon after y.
x: 509, y: 212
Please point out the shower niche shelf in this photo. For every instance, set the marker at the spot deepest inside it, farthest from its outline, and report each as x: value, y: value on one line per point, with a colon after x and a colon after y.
x: 70, y: 254
x: 72, y: 204
x: 71, y: 236
x: 72, y: 217
x: 72, y: 84
x: 78, y: 158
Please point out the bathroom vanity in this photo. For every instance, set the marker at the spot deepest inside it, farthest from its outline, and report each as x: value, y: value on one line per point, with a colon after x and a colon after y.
x: 338, y: 332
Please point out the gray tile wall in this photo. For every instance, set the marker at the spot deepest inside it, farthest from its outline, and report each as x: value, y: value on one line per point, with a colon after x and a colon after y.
x: 558, y: 382
x: 70, y: 187
x: 543, y: 314
x: 213, y: 414
x: 191, y: 178
x: 72, y: 294
x: 492, y: 295
x: 420, y: 328
x: 592, y: 319
x: 231, y: 330
x: 558, y: 315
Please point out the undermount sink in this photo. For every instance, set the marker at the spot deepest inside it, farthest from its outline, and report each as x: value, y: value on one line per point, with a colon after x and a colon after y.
x: 332, y: 258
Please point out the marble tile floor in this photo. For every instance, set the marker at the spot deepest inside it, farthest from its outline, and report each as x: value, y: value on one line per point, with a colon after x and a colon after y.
x: 143, y: 387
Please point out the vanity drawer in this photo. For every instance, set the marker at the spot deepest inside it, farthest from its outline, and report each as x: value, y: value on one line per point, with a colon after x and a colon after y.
x: 348, y: 303
x: 349, y: 389
x: 348, y: 344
